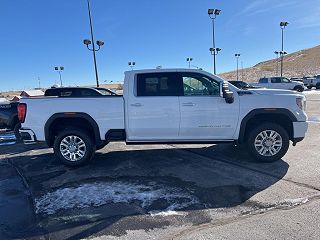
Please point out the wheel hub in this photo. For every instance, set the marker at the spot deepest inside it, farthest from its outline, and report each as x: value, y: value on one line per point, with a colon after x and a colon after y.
x: 72, y: 148
x: 268, y: 143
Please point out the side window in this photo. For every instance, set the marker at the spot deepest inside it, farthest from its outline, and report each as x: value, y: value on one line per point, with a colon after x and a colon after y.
x: 285, y: 80
x: 276, y: 80
x: 88, y: 93
x: 263, y: 80
x: 159, y: 84
x: 195, y: 84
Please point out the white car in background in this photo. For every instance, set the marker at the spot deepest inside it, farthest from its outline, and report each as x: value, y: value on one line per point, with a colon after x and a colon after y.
x: 310, y: 82
x: 280, y: 83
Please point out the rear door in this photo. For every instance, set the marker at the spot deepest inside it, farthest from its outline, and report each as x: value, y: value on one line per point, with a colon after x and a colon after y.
x: 205, y: 115
x: 153, y: 109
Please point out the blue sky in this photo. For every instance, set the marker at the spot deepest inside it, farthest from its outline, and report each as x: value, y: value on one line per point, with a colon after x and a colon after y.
x: 37, y: 35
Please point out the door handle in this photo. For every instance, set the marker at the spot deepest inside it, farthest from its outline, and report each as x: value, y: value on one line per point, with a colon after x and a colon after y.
x: 188, y: 104
x: 136, y: 105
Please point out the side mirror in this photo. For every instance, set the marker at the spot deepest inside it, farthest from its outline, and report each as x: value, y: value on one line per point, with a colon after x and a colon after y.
x: 226, y: 93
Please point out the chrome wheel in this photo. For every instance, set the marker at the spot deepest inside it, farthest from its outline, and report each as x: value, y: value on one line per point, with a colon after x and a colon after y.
x: 268, y: 143
x: 72, y: 148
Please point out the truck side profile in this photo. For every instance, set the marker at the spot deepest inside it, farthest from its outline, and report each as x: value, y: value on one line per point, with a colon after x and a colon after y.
x: 280, y: 83
x: 167, y: 106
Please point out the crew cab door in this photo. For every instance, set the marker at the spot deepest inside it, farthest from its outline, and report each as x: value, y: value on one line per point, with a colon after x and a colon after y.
x: 205, y: 115
x: 153, y: 107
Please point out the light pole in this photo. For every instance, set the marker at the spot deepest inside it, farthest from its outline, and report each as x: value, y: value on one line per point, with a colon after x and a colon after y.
x: 59, y: 70
x: 131, y: 64
x: 282, y: 26
x: 88, y: 42
x: 213, y: 13
x: 189, y: 60
x: 277, y: 53
x: 237, y: 55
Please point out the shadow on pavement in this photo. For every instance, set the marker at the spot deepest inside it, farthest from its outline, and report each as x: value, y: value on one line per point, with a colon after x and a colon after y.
x: 98, y: 198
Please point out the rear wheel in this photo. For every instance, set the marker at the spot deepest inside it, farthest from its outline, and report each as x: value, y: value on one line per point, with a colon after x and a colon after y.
x: 74, y: 147
x: 298, y: 88
x: 268, y: 142
x: 309, y: 87
x: 318, y: 86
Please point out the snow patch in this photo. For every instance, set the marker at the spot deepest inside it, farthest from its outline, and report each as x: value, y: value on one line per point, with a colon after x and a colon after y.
x: 101, y: 193
x: 166, y: 213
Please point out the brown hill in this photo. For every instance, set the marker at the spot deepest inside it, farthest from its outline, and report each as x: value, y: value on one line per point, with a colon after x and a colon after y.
x: 297, y: 64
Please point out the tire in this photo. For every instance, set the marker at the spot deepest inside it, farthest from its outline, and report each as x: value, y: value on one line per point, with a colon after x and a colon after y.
x: 318, y: 86
x: 298, y: 88
x: 81, y: 144
x: 309, y: 87
x: 260, y: 140
x: 16, y: 131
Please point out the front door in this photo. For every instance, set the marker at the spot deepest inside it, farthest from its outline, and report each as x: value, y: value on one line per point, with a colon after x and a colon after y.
x: 204, y: 113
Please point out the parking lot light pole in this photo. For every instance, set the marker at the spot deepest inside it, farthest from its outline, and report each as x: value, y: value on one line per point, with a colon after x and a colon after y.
x: 282, y: 26
x: 189, y: 60
x: 88, y: 42
x: 237, y: 55
x: 277, y: 53
x: 213, y: 13
x: 59, y: 70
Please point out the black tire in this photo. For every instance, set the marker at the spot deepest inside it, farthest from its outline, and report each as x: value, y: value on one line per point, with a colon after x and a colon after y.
x: 309, y: 87
x: 298, y: 88
x: 89, y: 147
x: 318, y: 86
x: 254, y: 138
x: 16, y: 131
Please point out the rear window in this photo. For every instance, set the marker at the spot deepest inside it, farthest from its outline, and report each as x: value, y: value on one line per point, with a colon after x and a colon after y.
x: 159, y: 84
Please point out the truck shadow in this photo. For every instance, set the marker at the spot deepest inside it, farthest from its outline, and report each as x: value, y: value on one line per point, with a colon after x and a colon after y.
x: 125, y: 189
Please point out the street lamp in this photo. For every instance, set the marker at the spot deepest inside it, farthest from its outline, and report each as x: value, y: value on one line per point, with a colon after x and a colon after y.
x: 131, y: 64
x: 237, y: 55
x: 213, y: 13
x: 189, y: 60
x: 277, y: 53
x: 93, y: 49
x: 59, y: 70
x: 282, y: 26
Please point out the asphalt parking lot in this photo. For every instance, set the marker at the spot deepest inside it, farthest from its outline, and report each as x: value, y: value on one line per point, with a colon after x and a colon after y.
x: 160, y: 191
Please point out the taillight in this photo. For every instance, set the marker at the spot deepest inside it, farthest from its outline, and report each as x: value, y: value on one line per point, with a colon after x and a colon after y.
x: 22, y: 111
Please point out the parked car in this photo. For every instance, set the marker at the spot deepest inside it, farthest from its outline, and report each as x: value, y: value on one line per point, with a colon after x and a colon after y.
x: 157, y: 108
x: 242, y: 84
x: 310, y: 82
x: 9, y: 116
x: 79, y: 92
x: 279, y: 83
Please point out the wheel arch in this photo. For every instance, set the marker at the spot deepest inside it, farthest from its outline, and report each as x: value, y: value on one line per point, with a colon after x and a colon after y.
x: 60, y: 121
x: 280, y: 116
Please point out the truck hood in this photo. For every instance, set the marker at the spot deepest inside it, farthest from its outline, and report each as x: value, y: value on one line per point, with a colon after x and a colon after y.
x: 265, y: 91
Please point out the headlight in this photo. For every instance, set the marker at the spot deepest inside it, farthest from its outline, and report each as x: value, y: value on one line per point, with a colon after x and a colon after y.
x: 302, y: 104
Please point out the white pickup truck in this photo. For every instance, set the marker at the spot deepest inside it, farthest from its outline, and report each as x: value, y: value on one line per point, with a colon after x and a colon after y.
x: 279, y: 83
x: 167, y: 106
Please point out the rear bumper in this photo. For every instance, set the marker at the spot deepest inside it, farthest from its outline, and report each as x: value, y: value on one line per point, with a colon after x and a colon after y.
x: 27, y: 135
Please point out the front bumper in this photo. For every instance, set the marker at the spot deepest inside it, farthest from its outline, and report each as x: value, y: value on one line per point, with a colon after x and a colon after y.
x: 299, y: 131
x: 27, y: 136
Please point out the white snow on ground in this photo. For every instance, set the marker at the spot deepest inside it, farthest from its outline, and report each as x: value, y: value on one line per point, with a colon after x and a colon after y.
x: 314, y: 119
x: 315, y: 92
x: 101, y: 193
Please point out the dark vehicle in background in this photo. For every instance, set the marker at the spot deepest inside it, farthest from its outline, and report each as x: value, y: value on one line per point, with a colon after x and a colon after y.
x: 9, y: 117
x: 242, y: 84
x: 79, y: 92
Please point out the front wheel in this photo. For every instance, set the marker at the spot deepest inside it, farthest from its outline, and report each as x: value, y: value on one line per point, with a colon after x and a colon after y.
x: 268, y: 142
x: 298, y: 88
x: 74, y: 147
